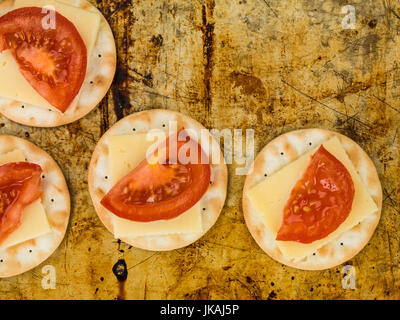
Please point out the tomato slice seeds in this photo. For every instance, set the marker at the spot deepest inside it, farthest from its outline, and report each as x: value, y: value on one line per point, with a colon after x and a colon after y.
x: 53, y: 61
x: 319, y: 202
x: 161, y: 191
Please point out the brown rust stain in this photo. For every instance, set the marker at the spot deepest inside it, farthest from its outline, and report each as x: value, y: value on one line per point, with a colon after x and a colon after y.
x: 157, y: 40
x: 122, y: 15
x: 207, y: 13
x: 249, y: 84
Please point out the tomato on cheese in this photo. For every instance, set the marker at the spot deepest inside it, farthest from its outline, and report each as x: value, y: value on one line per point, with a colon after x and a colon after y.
x: 19, y: 187
x: 161, y: 191
x: 319, y: 202
x: 53, y: 61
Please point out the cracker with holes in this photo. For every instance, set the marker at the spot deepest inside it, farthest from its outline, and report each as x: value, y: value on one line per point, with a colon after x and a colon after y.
x: 158, y: 180
x: 57, y: 60
x: 34, y: 206
x: 313, y: 199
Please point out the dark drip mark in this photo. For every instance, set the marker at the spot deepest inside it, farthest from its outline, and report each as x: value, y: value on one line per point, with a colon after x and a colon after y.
x: 146, y: 79
x: 120, y: 94
x: 115, y: 12
x: 272, y: 295
x: 120, y: 270
x: 208, y: 51
x: 105, y: 120
x: 372, y: 24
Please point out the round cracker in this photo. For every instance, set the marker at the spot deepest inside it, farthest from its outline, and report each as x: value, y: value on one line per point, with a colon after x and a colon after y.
x: 294, y: 144
x: 56, y: 202
x: 99, y: 76
x: 213, y: 200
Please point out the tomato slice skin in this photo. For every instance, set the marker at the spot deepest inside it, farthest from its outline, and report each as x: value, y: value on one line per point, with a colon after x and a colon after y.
x: 319, y: 202
x: 173, y: 187
x: 19, y: 187
x: 53, y: 61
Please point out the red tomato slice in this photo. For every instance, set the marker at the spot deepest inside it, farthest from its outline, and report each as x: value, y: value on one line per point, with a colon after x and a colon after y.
x: 319, y: 202
x: 156, y: 191
x: 19, y: 187
x: 53, y: 61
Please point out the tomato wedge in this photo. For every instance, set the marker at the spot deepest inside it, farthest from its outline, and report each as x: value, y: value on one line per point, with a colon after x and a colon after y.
x: 319, y: 202
x: 53, y: 61
x: 161, y: 191
x: 19, y: 187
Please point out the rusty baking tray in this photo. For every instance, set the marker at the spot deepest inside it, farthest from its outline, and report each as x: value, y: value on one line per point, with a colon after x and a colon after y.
x: 269, y: 65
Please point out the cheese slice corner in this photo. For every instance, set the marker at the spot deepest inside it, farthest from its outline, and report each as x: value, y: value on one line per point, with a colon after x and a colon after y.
x: 34, y: 221
x: 126, y: 151
x: 270, y: 195
x: 34, y: 224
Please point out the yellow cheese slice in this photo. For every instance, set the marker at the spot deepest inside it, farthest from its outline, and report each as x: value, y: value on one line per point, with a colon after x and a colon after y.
x: 33, y: 224
x: 270, y: 195
x: 34, y: 220
x: 13, y: 156
x: 126, y: 152
x: 187, y: 222
x: 12, y: 83
x: 14, y: 86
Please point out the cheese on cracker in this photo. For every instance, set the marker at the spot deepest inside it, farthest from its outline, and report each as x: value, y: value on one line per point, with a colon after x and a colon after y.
x: 34, y: 220
x: 126, y: 152
x: 269, y: 198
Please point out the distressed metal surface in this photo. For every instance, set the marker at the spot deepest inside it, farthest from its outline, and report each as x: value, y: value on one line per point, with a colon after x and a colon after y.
x: 270, y: 65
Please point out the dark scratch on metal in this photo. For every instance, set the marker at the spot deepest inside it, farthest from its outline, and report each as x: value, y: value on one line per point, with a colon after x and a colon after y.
x: 147, y: 79
x: 225, y: 245
x: 386, y: 104
x: 144, y: 260
x: 177, y: 97
x: 270, y: 8
x: 395, y: 135
x: 391, y: 258
x: 325, y: 105
x: 120, y: 7
x: 392, y: 202
x: 394, y: 13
